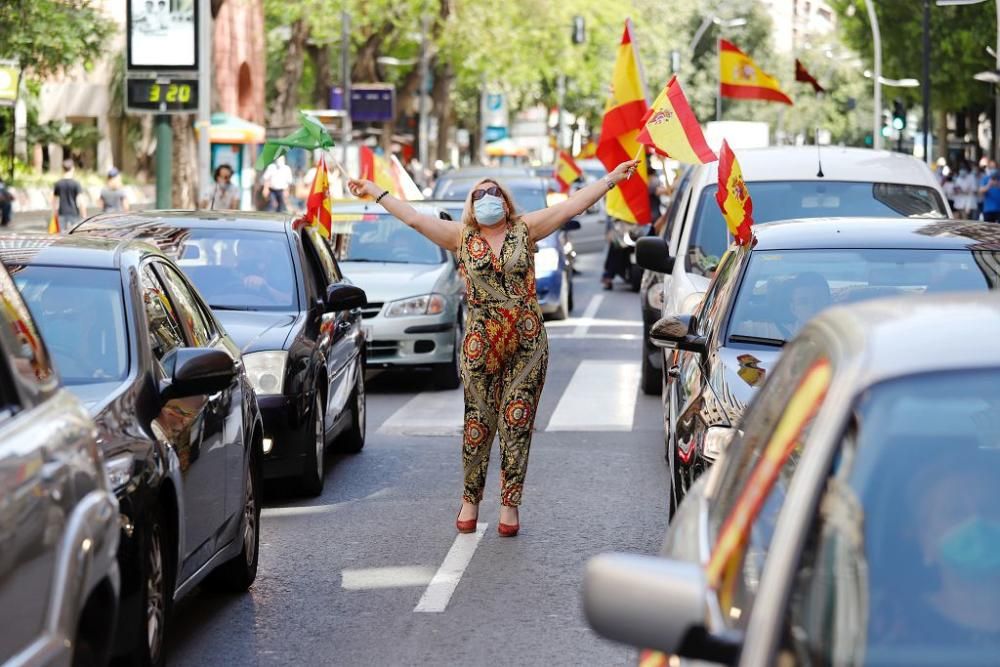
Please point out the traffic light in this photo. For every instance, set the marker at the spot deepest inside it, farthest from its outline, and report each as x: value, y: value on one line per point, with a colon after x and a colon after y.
x: 886, y: 124
x: 898, y: 114
x: 579, y: 30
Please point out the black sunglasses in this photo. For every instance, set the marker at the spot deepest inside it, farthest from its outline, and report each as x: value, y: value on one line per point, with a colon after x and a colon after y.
x: 479, y: 194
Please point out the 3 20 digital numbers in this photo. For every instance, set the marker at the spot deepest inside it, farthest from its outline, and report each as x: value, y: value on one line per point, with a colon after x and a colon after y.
x: 175, y: 92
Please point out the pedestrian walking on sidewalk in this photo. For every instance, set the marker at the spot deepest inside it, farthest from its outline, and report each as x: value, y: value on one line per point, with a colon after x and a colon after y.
x: 278, y: 177
x: 991, y: 196
x: 966, y: 201
x: 505, y: 350
x: 113, y: 199
x: 6, y: 203
x: 66, y: 203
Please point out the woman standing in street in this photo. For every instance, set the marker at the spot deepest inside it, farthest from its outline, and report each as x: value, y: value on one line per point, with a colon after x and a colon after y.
x: 505, y: 352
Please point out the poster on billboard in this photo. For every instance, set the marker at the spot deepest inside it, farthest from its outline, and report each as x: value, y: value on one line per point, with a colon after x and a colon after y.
x: 162, y: 34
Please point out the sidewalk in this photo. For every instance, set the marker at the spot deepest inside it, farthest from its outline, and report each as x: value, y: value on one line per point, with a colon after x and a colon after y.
x: 32, y: 206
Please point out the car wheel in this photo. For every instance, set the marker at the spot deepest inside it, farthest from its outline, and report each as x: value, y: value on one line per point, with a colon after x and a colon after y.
x: 353, y: 440
x: 155, y: 593
x: 569, y: 279
x: 237, y: 574
x: 562, y: 312
x: 448, y: 376
x: 313, y: 470
x: 634, y: 277
x: 650, y: 376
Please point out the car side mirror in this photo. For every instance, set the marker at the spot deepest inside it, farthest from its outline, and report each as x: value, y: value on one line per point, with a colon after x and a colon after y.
x: 654, y: 603
x: 195, y: 371
x: 571, y: 225
x: 344, y: 297
x: 651, y: 252
x: 677, y: 332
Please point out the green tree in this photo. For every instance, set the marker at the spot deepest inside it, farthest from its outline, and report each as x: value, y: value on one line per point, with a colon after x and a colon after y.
x: 47, y: 36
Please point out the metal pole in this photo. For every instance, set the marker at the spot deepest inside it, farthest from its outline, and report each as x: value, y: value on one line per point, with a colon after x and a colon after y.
x: 996, y: 99
x: 204, y: 95
x: 422, y: 139
x: 926, y: 83
x: 718, y: 95
x: 345, y: 74
x: 164, y: 160
x: 561, y: 125
x: 877, y: 102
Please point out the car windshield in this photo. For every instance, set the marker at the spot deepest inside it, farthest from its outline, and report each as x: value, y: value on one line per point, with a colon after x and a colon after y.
x: 239, y: 269
x: 782, y: 289
x: 81, y: 317
x: 528, y: 196
x: 383, y: 238
x: 785, y: 200
x: 911, y: 536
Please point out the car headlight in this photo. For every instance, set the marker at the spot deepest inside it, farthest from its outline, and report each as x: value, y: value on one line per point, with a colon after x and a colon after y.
x: 691, y: 302
x: 266, y: 371
x: 547, y: 260
x: 119, y: 470
x: 716, y: 440
x: 654, y: 296
x: 427, y: 304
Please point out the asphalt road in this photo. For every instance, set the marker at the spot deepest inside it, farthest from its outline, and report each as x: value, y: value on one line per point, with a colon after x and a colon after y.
x: 349, y: 578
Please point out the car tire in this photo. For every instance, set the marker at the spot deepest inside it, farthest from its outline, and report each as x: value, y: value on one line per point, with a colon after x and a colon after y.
x: 238, y: 573
x: 156, y: 593
x: 569, y: 279
x: 634, y: 277
x: 562, y: 312
x: 313, y: 465
x: 449, y: 375
x: 649, y: 376
x: 353, y: 439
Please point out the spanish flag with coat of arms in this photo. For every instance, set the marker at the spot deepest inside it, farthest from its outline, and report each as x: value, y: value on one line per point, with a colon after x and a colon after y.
x: 623, y: 118
x: 742, y: 79
x: 733, y: 197
x: 319, y: 208
x: 671, y: 128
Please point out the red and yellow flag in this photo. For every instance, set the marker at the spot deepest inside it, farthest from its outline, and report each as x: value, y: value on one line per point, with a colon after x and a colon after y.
x: 672, y: 129
x: 381, y: 171
x: 733, y: 196
x: 623, y: 117
x: 54, y: 224
x: 566, y: 170
x: 319, y: 208
x: 588, y: 150
x: 740, y: 78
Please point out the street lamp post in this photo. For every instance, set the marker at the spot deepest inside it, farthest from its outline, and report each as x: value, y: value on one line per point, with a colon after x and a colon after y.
x: 926, y: 83
x: 877, y: 79
x: 700, y: 32
x: 422, y: 145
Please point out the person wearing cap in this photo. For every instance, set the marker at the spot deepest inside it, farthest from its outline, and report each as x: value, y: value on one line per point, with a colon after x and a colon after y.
x: 113, y: 199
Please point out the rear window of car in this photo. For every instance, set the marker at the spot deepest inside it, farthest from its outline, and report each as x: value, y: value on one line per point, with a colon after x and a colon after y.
x: 383, y: 238
x: 527, y: 196
x: 784, y: 200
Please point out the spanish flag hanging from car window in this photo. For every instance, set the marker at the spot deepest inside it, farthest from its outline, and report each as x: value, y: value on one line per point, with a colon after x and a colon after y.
x: 623, y: 115
x: 672, y: 129
x: 319, y: 207
x: 733, y: 196
x: 740, y: 78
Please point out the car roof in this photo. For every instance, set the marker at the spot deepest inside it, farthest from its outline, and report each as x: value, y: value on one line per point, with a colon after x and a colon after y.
x: 887, y: 338
x: 108, y: 223
x: 839, y: 163
x: 911, y: 233
x: 78, y: 251
x: 516, y: 182
x: 361, y: 207
x: 480, y: 171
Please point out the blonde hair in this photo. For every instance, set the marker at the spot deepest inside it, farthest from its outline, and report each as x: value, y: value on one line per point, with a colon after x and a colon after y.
x: 468, y: 212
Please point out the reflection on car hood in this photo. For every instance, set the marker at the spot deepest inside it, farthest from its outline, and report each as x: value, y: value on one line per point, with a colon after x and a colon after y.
x: 739, y: 373
x: 383, y: 281
x: 257, y: 330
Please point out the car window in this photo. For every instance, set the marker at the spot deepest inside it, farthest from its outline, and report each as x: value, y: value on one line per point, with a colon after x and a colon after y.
x: 190, y: 313
x: 325, y: 256
x: 758, y: 466
x: 717, y: 297
x: 675, y: 205
x: 165, y: 333
x: 27, y: 353
x: 315, y: 277
x: 383, y: 238
x: 900, y: 566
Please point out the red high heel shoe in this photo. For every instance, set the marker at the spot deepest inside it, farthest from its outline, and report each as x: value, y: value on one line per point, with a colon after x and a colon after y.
x: 466, y: 526
x: 508, y: 529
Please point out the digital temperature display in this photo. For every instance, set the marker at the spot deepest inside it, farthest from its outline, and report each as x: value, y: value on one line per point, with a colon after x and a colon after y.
x: 163, y: 96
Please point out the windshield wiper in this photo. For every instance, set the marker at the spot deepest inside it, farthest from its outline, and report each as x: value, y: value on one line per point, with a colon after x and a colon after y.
x: 376, y: 261
x: 240, y: 308
x: 757, y: 340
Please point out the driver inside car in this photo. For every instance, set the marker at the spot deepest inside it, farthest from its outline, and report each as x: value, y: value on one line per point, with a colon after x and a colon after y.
x: 253, y: 262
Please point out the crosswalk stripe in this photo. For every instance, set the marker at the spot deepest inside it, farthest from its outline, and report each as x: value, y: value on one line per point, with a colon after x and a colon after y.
x: 428, y: 413
x: 441, y: 587
x: 601, y: 396
x: 588, y: 315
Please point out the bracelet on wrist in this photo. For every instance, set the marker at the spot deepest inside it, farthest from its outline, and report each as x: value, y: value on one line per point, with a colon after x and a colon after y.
x: 379, y: 198
x: 610, y: 182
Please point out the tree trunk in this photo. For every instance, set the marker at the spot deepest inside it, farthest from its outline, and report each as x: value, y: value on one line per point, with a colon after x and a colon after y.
x: 286, y: 87
x: 441, y: 94
x: 404, y: 94
x: 320, y: 55
x: 940, y: 134
x: 184, y: 189
x: 365, y: 68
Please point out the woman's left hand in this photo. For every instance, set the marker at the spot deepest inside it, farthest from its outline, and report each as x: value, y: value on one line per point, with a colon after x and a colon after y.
x: 624, y: 170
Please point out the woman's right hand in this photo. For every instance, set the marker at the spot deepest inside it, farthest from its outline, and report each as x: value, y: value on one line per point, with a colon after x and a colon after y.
x: 361, y: 187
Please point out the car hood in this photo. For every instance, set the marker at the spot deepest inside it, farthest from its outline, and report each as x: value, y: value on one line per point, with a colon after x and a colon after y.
x: 740, y: 371
x: 93, y: 397
x: 257, y: 330
x: 384, y: 281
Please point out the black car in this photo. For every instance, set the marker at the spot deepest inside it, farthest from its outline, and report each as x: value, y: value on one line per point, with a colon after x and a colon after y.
x: 177, y: 420
x: 763, y: 293
x: 278, y: 290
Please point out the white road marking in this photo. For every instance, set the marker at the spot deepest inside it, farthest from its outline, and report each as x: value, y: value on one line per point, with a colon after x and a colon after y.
x: 599, y: 336
x: 428, y: 413
x: 600, y: 396
x: 588, y: 314
x: 370, y: 578
x: 445, y: 581
x: 586, y: 322
x: 273, y: 512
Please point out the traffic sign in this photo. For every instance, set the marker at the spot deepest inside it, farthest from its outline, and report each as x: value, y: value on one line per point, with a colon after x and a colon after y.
x: 10, y: 74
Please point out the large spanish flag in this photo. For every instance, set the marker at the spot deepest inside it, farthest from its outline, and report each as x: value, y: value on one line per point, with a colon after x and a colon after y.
x: 319, y: 208
x: 566, y: 170
x: 733, y: 196
x: 740, y: 78
x: 380, y: 170
x: 623, y: 117
x: 672, y: 129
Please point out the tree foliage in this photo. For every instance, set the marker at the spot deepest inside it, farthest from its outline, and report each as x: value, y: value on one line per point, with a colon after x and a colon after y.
x: 47, y: 36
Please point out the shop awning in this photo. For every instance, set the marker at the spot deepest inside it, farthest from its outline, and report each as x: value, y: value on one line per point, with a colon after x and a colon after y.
x: 229, y: 129
x: 505, y: 148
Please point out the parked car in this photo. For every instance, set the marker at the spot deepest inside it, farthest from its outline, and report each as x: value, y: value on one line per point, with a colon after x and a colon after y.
x: 786, y: 182
x: 849, y: 522
x: 762, y: 295
x: 477, y: 172
x: 178, y: 424
x: 278, y: 291
x: 554, y: 255
x: 59, y: 578
x: 415, y: 311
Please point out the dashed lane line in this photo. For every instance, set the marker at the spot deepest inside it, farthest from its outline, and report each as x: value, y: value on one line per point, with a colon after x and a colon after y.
x: 445, y: 581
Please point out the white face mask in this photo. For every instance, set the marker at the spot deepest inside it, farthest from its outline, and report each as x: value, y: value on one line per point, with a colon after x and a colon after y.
x: 489, y: 210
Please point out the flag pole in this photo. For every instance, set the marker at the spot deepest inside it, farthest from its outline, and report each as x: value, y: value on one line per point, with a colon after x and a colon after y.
x: 718, y: 96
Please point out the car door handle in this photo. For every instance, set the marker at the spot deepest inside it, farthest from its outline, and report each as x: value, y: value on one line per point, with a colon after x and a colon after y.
x: 674, y: 371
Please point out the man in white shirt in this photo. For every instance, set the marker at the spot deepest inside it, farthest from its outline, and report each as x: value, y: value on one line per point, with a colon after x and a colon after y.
x: 277, y: 178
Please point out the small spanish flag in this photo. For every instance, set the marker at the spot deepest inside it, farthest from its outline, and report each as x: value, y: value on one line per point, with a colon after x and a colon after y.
x: 54, y: 224
x: 566, y: 171
x: 319, y: 208
x: 803, y: 75
x: 588, y: 150
x: 671, y: 128
x: 733, y: 196
x: 380, y: 170
x: 740, y: 78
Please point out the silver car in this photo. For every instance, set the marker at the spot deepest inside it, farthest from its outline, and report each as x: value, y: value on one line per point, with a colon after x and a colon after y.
x: 59, y: 527
x: 414, y: 316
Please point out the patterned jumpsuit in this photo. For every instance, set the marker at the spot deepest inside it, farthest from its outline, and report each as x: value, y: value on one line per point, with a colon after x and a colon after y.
x: 504, y: 358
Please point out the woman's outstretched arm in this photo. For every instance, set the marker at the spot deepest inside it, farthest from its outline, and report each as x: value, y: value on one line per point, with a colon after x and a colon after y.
x: 445, y: 233
x: 543, y: 222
